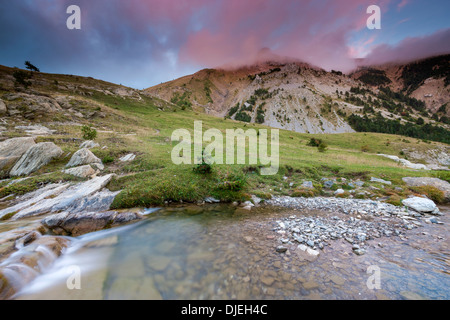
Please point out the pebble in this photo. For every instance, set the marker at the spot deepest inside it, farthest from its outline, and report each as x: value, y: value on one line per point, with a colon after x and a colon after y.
x: 281, y: 249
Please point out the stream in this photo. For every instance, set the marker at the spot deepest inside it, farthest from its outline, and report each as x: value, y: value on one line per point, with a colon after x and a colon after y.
x: 215, y: 252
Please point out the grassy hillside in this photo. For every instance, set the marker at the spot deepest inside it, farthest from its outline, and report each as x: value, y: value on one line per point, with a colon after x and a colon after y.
x: 143, y: 125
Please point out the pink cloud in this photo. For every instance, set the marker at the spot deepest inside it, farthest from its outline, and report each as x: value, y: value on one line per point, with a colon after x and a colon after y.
x: 402, y: 4
x: 312, y: 31
x: 411, y: 49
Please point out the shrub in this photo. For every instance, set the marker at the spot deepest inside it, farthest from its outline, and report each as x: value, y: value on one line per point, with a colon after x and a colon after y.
x: 305, y: 193
x: 322, y: 147
x: 108, y: 159
x: 431, y: 192
x: 365, y: 148
x: 232, y: 181
x: 204, y: 167
x: 88, y: 133
x: 22, y: 77
x: 313, y: 142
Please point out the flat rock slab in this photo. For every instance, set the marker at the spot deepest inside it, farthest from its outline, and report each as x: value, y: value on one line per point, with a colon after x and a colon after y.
x: 128, y: 157
x: 36, y: 130
x: 380, y: 181
x: 35, y: 158
x: 62, y: 197
x: 12, y: 150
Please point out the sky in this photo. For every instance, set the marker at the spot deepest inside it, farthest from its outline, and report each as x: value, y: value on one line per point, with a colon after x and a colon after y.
x: 141, y: 43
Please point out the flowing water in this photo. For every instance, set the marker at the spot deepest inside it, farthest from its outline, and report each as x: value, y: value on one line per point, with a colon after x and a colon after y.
x: 219, y: 253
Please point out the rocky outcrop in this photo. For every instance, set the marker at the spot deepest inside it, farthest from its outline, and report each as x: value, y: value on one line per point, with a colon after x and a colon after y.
x: 76, y: 224
x: 31, y: 106
x: 421, y: 205
x: 442, y: 185
x: 81, y: 172
x: 36, y: 157
x: 62, y: 197
x: 12, y: 150
x: 82, y: 157
x: 406, y: 163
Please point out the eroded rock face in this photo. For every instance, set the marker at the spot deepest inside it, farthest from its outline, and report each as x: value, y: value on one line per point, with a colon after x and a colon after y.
x: 442, y: 185
x: 82, y: 157
x: 76, y: 224
x: 36, y: 157
x: 30, y: 106
x: 12, y: 150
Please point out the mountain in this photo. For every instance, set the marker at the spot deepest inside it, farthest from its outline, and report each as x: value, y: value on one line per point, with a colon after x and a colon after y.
x: 295, y: 96
x: 427, y: 80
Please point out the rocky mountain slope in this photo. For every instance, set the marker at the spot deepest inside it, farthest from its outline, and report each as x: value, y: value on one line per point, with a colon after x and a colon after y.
x: 299, y: 97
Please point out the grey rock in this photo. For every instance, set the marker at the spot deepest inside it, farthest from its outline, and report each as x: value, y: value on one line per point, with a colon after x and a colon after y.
x: 128, y: 157
x: 211, y: 200
x: 35, y: 158
x: 328, y: 184
x: 81, y: 172
x: 359, y: 183
x: 12, y: 150
x: 420, y: 205
x: 359, y: 252
x: 307, y: 184
x: 82, y: 157
x: 76, y: 224
x: 281, y: 249
x: 339, y: 191
x: 89, y: 144
x: 36, y: 130
x: 64, y: 197
x: 380, y: 181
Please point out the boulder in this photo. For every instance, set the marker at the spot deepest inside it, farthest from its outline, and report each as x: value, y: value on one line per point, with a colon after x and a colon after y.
x: 35, y: 158
x: 3, y: 109
x: 81, y: 172
x: 76, y: 224
x: 82, y: 157
x: 89, y: 144
x: 442, y: 185
x: 12, y: 150
x: 421, y: 205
